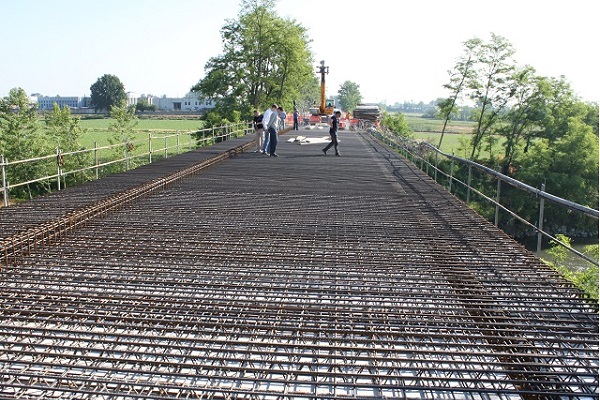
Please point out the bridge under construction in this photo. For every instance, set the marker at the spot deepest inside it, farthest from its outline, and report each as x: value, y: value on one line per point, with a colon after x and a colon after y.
x: 227, y: 274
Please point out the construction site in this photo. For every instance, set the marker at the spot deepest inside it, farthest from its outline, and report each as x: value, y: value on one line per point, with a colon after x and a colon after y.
x: 225, y: 274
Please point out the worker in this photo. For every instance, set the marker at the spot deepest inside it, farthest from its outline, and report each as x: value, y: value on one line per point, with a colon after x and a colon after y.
x: 333, y: 132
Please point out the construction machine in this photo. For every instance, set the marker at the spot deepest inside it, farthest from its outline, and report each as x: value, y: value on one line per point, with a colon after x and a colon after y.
x: 326, y: 108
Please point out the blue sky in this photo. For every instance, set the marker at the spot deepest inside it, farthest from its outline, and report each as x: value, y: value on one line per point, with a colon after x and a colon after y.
x: 395, y: 50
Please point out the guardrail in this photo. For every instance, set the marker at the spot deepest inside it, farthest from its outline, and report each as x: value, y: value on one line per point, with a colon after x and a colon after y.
x: 417, y: 152
x: 174, y: 143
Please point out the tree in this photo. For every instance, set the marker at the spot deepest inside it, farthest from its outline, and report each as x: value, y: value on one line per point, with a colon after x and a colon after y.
x: 108, y: 91
x: 396, y: 124
x: 266, y: 59
x: 64, y: 130
x: 143, y: 105
x: 20, y: 139
x: 349, y: 96
x: 122, y: 127
x: 524, y: 120
x: 489, y: 88
x: 462, y: 73
x: 124, y: 123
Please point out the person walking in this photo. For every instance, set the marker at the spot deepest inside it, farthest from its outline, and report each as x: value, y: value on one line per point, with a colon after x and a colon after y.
x: 258, y: 131
x: 295, y: 119
x: 282, y: 117
x: 333, y: 132
x: 265, y: 121
x: 272, y: 127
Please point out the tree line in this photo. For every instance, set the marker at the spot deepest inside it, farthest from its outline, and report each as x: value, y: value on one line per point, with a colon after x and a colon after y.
x: 25, y: 134
x: 547, y: 135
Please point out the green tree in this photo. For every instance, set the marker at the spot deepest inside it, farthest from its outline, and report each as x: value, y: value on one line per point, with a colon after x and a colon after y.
x: 124, y: 123
x: 349, y: 96
x: 396, y: 124
x: 489, y: 87
x: 64, y: 130
x: 20, y: 139
x: 122, y: 127
x: 108, y: 91
x: 266, y: 59
x: 568, y: 166
x: 524, y: 120
x: 143, y: 105
x: 460, y: 75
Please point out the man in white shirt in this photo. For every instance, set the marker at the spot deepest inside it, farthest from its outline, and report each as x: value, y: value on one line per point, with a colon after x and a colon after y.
x: 266, y: 120
x: 272, y: 125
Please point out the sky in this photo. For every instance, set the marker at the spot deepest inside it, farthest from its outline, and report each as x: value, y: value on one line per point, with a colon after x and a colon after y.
x: 395, y: 50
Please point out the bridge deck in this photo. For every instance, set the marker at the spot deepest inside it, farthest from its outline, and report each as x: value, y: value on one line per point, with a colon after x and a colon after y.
x: 302, y: 276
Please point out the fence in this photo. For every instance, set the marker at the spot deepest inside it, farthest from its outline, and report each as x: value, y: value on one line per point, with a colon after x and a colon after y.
x: 56, y: 166
x: 427, y: 156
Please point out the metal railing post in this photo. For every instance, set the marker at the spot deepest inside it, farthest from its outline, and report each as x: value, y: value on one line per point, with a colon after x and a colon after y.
x: 469, y: 185
x: 540, y: 223
x: 4, y: 183
x: 166, y: 147
x: 58, y: 169
x: 451, y: 174
x: 497, y: 213
x: 435, y: 171
x: 96, y: 160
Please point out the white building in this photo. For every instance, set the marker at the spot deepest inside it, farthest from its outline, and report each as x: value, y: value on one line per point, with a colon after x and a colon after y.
x: 190, y: 102
x: 47, y: 102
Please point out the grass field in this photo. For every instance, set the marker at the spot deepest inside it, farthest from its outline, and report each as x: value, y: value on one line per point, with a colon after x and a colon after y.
x: 456, y: 136
x: 149, y: 124
x: 97, y: 133
x: 97, y: 129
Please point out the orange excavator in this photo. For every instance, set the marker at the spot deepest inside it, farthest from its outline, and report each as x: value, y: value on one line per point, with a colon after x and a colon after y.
x: 327, y: 107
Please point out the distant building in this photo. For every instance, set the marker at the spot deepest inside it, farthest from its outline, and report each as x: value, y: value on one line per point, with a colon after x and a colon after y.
x: 47, y: 102
x: 190, y: 102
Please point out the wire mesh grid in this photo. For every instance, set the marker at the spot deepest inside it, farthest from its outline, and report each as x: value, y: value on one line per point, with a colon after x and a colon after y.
x: 298, y: 277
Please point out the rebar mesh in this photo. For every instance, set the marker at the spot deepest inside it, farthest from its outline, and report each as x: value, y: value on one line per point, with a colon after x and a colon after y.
x: 302, y: 276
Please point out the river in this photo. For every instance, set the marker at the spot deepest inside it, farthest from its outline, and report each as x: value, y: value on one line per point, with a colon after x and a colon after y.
x: 573, y: 261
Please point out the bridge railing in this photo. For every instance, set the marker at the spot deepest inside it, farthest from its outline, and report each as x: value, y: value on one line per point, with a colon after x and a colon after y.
x: 53, y: 169
x: 427, y: 157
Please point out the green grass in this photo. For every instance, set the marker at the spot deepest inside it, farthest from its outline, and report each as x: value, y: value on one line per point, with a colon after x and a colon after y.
x: 148, y: 124
x: 456, y: 134
x: 97, y: 133
x: 452, y: 143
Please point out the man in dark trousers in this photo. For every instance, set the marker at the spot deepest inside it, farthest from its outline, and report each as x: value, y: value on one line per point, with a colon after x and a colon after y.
x: 333, y: 132
x: 272, y: 127
x: 295, y: 119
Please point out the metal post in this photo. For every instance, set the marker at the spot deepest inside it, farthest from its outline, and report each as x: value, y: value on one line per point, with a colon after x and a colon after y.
x: 150, y: 147
x: 451, y: 174
x: 178, y: 142
x: 469, y: 186
x: 496, y: 215
x: 540, y: 223
x: 58, y: 156
x: 4, y: 183
x: 435, y: 171
x: 166, y: 147
x: 96, y: 159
